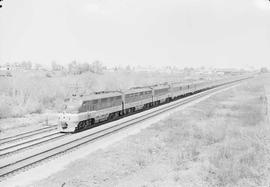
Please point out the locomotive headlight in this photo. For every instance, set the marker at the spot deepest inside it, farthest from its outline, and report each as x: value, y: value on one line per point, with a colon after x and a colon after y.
x: 64, y: 125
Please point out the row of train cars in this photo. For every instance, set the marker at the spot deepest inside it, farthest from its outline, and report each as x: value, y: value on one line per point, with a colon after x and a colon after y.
x: 85, y: 112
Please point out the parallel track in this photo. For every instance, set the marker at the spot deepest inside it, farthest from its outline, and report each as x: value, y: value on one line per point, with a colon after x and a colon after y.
x: 26, y: 135
x: 36, y: 158
x: 23, y: 146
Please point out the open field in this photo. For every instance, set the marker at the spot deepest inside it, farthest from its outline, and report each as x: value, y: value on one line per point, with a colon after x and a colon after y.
x: 222, y: 141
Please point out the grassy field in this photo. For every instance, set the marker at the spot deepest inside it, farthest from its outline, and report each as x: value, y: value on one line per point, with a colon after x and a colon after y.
x: 222, y: 141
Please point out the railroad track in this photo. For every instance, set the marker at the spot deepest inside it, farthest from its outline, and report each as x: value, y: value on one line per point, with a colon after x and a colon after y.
x: 18, y: 137
x: 28, y: 144
x: 10, y: 166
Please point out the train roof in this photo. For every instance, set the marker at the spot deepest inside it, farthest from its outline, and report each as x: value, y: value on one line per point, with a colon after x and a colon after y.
x: 160, y: 86
x: 101, y: 95
x: 136, y: 90
x: 187, y: 83
x: 180, y: 83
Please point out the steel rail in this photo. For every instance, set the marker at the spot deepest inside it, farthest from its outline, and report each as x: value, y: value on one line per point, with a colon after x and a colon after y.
x: 26, y: 135
x: 29, y: 144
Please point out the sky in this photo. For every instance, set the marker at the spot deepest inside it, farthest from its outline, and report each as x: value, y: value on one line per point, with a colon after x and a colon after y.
x: 181, y: 33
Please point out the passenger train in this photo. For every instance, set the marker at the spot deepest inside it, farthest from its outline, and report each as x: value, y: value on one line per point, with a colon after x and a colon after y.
x: 88, y: 111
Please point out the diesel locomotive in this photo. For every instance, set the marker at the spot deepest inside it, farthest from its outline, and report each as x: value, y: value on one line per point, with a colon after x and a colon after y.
x: 84, y: 112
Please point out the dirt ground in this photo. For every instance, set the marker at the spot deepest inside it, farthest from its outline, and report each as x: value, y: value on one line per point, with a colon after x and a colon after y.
x: 222, y: 141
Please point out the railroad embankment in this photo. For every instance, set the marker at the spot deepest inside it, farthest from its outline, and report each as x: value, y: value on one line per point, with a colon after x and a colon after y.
x: 222, y: 141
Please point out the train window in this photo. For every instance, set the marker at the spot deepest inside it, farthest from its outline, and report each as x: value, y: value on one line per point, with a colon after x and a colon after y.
x: 95, y: 102
x: 104, y: 100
